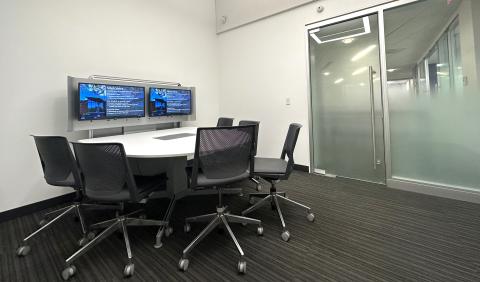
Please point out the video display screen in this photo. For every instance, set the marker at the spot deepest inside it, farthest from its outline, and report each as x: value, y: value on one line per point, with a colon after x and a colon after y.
x: 167, y: 101
x: 104, y: 101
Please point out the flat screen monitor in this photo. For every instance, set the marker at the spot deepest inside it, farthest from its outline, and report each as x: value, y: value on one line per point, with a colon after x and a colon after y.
x: 105, y: 101
x: 169, y: 101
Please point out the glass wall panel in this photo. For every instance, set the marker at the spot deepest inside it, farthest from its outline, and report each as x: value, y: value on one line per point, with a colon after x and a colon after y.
x: 432, y: 48
x: 346, y: 99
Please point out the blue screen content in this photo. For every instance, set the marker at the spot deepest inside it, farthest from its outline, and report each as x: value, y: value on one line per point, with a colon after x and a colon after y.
x: 103, y: 101
x: 165, y: 101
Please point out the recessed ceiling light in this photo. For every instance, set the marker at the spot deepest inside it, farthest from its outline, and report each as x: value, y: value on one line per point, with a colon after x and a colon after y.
x: 363, y: 53
x: 326, y: 73
x: 360, y: 70
x: 348, y: 40
x: 362, y: 84
x: 338, y: 80
x: 391, y: 70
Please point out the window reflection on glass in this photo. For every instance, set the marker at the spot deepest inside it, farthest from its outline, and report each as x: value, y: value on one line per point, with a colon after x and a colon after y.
x: 456, y: 56
x: 433, y: 94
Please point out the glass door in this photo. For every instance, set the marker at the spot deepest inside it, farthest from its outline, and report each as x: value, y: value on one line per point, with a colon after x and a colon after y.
x: 346, y: 99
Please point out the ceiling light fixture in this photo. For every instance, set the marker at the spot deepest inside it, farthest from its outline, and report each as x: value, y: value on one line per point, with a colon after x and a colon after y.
x: 360, y: 70
x: 338, y: 80
x: 349, y: 37
x: 326, y: 73
x: 363, y: 53
x: 391, y: 70
x: 348, y: 40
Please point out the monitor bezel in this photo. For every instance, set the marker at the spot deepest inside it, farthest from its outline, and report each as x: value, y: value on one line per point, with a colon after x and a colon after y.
x: 150, y: 114
x: 106, y: 117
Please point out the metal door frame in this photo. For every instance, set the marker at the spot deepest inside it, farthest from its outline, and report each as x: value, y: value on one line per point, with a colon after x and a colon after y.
x: 383, y: 74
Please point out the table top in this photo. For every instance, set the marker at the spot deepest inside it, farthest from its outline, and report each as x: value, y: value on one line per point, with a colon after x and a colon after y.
x: 144, y: 144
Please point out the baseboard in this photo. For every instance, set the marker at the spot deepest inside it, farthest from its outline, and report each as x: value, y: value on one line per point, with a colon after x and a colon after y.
x: 435, y: 190
x: 38, y: 206
x: 303, y: 168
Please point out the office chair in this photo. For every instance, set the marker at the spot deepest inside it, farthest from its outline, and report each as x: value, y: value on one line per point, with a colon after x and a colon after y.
x: 254, y: 179
x: 274, y: 170
x: 224, y: 155
x: 59, y: 169
x: 224, y: 121
x: 107, y: 177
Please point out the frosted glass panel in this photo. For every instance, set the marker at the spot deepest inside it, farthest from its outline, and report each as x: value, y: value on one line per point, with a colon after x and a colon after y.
x: 346, y: 88
x: 433, y: 92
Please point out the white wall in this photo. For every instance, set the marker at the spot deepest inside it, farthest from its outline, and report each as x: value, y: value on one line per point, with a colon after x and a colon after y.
x: 234, y: 13
x: 41, y: 42
x: 263, y: 63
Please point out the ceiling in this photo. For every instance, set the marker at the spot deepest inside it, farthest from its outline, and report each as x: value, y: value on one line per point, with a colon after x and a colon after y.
x: 411, y: 30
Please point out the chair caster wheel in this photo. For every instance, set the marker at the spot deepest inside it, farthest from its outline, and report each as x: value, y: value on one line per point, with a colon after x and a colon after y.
x: 129, y: 270
x: 242, y: 267
x: 83, y: 241
x: 42, y: 222
x: 310, y: 217
x: 285, y: 235
x: 168, y: 231
x: 259, y: 187
x: 91, y: 235
x: 187, y: 228
x: 251, y: 201
x: 260, y: 231
x: 183, y: 264
x: 23, y: 250
x: 69, y: 272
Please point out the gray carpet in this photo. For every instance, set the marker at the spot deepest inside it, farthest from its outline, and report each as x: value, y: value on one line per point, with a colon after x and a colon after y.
x: 362, y: 232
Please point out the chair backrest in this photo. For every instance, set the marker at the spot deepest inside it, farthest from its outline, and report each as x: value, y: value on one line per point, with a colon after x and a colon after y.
x: 58, y: 164
x: 289, y: 145
x: 257, y: 127
x: 224, y: 121
x: 223, y: 152
x: 105, y: 169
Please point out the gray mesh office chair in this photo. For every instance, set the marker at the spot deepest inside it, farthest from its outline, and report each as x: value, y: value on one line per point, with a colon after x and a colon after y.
x: 254, y: 179
x: 107, y: 177
x: 274, y: 170
x: 224, y: 155
x: 59, y: 169
x: 224, y: 121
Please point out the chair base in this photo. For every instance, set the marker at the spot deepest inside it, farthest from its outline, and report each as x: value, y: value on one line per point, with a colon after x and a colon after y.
x: 120, y: 222
x: 166, y: 230
x: 221, y: 217
x: 256, y: 180
x: 76, y: 208
x: 273, y: 197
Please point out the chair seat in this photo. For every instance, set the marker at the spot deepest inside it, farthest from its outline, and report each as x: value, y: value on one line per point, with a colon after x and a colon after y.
x: 67, y: 182
x: 203, y: 181
x: 270, y: 167
x: 145, y: 186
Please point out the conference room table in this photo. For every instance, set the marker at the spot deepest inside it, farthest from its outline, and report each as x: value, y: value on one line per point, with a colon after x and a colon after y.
x: 161, y: 151
x: 158, y: 151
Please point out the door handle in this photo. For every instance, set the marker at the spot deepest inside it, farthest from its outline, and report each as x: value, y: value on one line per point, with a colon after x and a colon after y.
x: 371, y: 72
